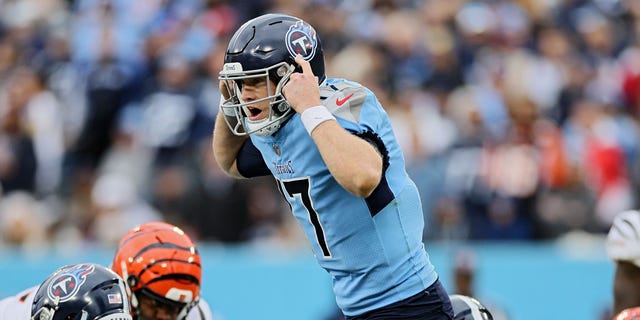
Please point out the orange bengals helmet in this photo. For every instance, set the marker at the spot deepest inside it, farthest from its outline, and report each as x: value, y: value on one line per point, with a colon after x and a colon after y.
x: 159, y: 260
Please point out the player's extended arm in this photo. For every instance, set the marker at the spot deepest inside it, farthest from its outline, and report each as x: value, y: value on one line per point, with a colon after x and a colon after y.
x: 226, y: 145
x: 352, y: 161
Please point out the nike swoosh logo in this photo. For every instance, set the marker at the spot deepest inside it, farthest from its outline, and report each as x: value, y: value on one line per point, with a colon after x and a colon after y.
x: 340, y: 102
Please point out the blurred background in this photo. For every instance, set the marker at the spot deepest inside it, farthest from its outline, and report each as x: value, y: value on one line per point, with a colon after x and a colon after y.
x: 518, y: 120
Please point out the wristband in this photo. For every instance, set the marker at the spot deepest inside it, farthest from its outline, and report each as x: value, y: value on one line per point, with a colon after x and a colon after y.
x: 314, y: 116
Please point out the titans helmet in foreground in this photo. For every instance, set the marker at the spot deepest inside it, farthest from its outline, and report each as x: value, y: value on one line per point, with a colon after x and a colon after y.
x: 468, y: 308
x: 264, y: 49
x: 81, y: 291
x: 159, y: 262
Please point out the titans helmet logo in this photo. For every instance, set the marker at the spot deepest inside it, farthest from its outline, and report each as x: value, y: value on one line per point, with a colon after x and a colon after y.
x: 301, y: 40
x: 67, y: 282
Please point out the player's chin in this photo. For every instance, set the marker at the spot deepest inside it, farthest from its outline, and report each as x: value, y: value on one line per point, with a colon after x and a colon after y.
x: 256, y: 118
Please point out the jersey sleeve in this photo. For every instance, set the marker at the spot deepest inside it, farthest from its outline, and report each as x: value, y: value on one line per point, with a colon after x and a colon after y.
x: 360, y: 111
x: 354, y: 104
x: 250, y: 162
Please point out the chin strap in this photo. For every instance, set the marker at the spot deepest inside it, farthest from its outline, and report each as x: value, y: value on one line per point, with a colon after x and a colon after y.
x: 134, y: 299
x: 187, y: 308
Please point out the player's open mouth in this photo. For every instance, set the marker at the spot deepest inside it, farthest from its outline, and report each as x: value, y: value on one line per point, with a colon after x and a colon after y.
x: 254, y: 113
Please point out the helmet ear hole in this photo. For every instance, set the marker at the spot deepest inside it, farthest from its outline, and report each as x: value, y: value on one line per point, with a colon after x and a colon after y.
x: 282, y: 70
x: 283, y: 106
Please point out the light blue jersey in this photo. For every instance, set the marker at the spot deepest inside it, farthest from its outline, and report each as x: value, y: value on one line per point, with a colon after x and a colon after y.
x: 371, y: 247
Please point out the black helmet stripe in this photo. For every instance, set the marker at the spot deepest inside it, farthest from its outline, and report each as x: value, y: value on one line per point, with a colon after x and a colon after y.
x: 164, y: 245
x: 150, y: 265
x: 176, y: 276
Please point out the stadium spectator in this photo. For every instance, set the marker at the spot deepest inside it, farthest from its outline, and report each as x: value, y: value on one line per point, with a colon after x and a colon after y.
x: 518, y: 119
x: 18, y: 158
x: 42, y: 116
x: 116, y: 207
x: 330, y: 146
x: 18, y: 210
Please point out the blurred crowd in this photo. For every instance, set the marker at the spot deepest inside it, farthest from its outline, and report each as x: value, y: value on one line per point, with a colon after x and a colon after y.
x: 518, y: 119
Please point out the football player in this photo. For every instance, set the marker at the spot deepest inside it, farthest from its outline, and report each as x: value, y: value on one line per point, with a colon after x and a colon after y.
x: 162, y: 270
x: 331, y: 148
x: 79, y: 291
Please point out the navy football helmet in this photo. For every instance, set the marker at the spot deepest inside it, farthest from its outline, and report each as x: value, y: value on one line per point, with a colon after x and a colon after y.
x: 468, y: 308
x: 81, y: 292
x: 265, y: 48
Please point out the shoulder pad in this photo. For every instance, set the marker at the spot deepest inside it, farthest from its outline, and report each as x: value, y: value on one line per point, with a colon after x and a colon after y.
x: 344, y: 100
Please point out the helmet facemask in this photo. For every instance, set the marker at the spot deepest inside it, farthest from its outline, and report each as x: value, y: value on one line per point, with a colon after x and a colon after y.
x: 236, y: 110
x: 137, y: 296
x: 46, y: 312
x: 178, y: 309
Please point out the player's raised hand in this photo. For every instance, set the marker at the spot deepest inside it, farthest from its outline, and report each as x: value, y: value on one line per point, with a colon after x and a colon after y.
x: 302, y: 90
x: 224, y: 91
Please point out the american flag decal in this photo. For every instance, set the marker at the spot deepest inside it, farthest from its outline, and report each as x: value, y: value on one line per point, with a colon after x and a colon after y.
x: 114, y: 298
